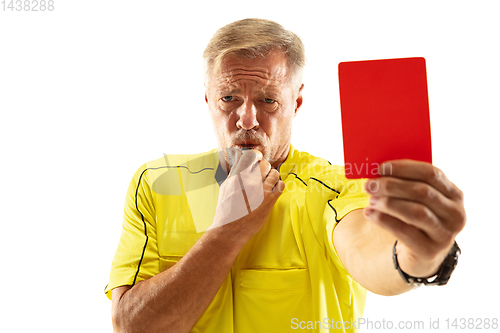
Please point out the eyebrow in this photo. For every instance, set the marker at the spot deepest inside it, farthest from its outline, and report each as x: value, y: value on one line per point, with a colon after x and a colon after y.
x: 270, y: 92
x: 229, y: 91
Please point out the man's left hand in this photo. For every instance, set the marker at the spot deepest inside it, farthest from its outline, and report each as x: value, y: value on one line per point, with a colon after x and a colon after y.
x: 424, y: 210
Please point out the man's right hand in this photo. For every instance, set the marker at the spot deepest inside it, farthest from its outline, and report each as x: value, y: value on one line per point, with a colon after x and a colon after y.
x: 248, y: 194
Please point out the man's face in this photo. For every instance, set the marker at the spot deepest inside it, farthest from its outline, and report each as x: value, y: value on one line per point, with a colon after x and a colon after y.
x: 252, y: 103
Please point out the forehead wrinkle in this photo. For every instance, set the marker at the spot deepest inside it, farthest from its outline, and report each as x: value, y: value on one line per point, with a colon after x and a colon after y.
x: 235, y: 79
x: 238, y: 79
x: 262, y: 87
x: 266, y: 75
x: 258, y: 81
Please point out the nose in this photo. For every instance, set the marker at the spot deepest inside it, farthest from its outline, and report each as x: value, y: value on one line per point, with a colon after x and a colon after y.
x: 247, y: 113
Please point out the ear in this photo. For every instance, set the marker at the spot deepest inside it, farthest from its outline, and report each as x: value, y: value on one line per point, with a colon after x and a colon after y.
x: 298, y: 100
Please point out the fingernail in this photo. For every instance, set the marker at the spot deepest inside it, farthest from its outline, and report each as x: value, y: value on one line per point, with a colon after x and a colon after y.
x: 368, y: 211
x: 373, y: 200
x: 371, y: 186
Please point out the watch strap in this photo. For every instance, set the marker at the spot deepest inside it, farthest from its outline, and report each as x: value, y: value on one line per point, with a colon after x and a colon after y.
x: 440, y: 278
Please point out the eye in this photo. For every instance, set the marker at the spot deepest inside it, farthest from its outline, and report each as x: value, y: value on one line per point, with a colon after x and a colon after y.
x: 269, y: 100
x: 227, y: 98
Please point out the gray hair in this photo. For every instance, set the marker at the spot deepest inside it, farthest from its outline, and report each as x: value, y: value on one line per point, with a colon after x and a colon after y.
x: 255, y: 38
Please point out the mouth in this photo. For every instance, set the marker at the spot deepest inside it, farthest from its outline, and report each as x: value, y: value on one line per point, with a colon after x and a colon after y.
x: 246, y: 146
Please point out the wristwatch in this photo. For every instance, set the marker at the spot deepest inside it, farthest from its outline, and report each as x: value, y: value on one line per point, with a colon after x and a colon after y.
x: 440, y: 278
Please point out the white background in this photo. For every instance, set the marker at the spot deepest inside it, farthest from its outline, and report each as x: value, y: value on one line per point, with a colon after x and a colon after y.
x: 93, y: 89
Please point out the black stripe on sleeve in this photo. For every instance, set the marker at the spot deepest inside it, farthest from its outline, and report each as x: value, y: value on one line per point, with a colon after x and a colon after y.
x: 334, y: 210
x: 145, y: 228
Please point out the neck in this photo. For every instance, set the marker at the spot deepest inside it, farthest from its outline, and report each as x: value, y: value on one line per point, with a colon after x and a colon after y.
x: 280, y: 160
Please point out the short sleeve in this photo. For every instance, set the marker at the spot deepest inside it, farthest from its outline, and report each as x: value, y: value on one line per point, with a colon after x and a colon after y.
x: 351, y: 197
x: 136, y: 258
x: 329, y: 199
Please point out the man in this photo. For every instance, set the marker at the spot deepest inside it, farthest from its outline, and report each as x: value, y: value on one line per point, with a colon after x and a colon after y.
x: 310, y: 243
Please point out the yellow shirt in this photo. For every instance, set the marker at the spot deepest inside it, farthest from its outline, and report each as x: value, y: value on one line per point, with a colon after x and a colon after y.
x: 288, y: 277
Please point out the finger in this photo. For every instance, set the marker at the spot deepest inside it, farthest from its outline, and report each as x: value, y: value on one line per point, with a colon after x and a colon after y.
x: 414, y: 214
x: 279, y: 187
x: 265, y: 168
x: 421, y: 171
x: 411, y: 236
x: 258, y: 153
x: 271, y: 181
x: 416, y: 191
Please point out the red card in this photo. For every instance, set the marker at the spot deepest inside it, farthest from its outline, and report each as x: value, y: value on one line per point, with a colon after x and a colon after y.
x: 385, y: 113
